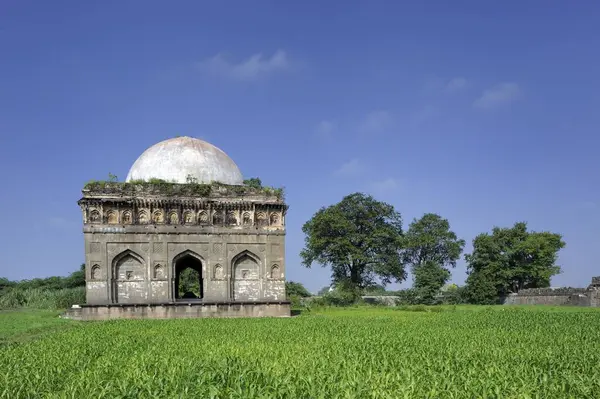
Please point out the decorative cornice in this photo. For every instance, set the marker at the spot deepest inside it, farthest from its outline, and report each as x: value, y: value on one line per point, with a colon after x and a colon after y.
x: 199, y: 203
x: 181, y: 191
x: 195, y: 230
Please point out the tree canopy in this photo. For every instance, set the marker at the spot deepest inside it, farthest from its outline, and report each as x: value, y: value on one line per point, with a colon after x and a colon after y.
x: 360, y: 238
x: 430, y: 239
x: 430, y: 249
x: 511, y: 259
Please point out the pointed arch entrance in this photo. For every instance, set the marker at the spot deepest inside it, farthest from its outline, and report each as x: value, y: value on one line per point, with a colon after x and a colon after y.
x: 129, y: 281
x: 189, y: 280
x: 245, y: 282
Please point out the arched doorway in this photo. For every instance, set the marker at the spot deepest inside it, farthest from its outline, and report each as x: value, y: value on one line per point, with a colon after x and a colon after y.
x: 189, y: 282
x: 245, y: 282
x: 129, y: 281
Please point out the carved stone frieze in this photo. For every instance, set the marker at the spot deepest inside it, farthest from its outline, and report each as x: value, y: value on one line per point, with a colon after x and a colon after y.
x: 233, y: 215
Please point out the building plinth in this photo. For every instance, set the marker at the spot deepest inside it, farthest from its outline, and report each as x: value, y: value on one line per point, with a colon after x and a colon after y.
x: 179, y: 310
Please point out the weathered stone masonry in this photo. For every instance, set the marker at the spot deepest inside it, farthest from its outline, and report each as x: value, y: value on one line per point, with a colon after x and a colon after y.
x: 589, y: 296
x: 138, y: 236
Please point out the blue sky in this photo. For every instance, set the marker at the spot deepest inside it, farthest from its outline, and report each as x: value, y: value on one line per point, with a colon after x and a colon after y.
x: 483, y: 112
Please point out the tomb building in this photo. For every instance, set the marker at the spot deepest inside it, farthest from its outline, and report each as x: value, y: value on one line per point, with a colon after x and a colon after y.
x: 184, y: 205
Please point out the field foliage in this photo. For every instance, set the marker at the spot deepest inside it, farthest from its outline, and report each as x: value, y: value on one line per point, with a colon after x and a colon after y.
x: 17, y: 326
x: 346, y: 353
x: 41, y: 298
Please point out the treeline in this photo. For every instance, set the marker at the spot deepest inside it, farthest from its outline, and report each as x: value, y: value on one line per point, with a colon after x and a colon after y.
x: 56, y: 292
x: 363, y: 242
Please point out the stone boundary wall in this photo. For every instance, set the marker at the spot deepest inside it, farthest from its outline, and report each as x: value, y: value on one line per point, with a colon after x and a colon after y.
x: 561, y: 291
x: 555, y: 296
x: 568, y: 296
x: 381, y: 299
x: 554, y: 300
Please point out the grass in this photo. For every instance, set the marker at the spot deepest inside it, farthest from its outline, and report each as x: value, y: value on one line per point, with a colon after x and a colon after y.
x: 359, y: 352
x: 23, y: 325
x: 41, y: 298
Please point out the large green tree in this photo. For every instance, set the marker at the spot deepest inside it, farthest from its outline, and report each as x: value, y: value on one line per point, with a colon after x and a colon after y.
x: 431, y: 249
x: 360, y: 238
x: 511, y: 259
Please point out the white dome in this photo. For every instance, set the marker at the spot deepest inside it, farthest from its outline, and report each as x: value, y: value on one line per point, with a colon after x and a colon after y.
x: 175, y: 159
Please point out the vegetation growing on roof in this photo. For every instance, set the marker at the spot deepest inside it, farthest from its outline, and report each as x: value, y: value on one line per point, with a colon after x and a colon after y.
x: 251, y: 186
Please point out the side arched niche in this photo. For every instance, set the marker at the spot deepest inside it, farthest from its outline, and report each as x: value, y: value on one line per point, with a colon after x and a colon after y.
x: 96, y: 272
x: 218, y: 273
x: 245, y: 280
x: 275, y: 273
x: 129, y: 278
x: 158, y: 272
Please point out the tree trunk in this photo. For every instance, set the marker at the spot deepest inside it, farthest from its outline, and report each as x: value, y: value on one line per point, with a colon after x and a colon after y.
x: 355, y: 275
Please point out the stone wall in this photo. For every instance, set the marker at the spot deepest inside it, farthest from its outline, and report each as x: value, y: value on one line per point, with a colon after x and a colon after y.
x: 138, y: 236
x: 560, y: 291
x: 135, y: 267
x: 555, y: 296
x: 381, y: 299
x: 179, y: 310
x: 539, y: 296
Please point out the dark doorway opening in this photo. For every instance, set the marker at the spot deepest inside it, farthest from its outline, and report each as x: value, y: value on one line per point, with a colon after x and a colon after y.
x: 188, y: 278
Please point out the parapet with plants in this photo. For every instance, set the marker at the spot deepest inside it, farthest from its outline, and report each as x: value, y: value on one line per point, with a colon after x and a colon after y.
x: 161, y: 188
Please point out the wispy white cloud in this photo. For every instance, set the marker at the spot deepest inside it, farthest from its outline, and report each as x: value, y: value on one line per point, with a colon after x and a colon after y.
x: 352, y: 168
x: 385, y: 186
x: 325, y: 129
x: 423, y: 115
x: 252, y: 68
x: 438, y: 85
x: 499, y: 95
x: 456, y: 84
x: 376, y: 122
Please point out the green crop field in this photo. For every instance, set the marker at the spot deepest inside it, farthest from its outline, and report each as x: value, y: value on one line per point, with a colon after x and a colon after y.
x: 349, y: 353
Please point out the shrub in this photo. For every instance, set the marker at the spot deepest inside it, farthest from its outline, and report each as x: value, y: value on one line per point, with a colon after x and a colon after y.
x: 407, y: 297
x: 296, y: 301
x: 296, y: 289
x: 40, y: 298
x: 336, y: 298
